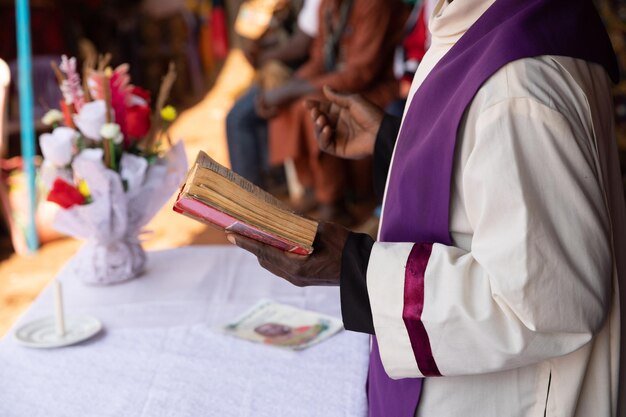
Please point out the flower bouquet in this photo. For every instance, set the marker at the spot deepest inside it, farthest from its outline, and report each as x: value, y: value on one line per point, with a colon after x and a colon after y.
x: 106, y: 166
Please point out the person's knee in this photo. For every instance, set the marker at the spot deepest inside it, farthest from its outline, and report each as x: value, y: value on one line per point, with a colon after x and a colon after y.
x: 234, y: 118
x: 242, y: 114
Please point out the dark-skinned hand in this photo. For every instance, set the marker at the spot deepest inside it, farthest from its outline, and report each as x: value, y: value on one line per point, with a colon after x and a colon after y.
x: 262, y: 108
x: 345, y: 125
x: 279, y: 96
x: 251, y: 50
x: 270, y: 101
x: 321, y: 268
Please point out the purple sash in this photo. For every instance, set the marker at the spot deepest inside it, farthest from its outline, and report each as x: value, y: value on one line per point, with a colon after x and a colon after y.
x: 418, y: 195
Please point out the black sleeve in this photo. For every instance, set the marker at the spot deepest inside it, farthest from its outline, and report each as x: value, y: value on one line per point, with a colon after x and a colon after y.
x: 383, y: 151
x: 355, y: 301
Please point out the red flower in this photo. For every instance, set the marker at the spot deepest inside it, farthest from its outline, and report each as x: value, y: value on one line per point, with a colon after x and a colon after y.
x: 141, y: 93
x: 119, y: 93
x: 137, y: 121
x: 64, y: 194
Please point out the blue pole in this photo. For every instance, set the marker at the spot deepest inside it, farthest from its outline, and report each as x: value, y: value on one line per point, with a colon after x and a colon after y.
x: 27, y: 127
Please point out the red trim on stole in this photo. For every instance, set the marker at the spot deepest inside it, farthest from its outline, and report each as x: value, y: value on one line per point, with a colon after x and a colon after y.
x: 414, y: 306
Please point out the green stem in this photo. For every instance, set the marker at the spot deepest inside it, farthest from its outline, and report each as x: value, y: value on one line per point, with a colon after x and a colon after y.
x: 113, y: 159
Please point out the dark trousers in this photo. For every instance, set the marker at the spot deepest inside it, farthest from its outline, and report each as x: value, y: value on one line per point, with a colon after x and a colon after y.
x: 246, y: 133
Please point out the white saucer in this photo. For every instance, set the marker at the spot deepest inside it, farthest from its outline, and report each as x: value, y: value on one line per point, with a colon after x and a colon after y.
x: 42, y: 333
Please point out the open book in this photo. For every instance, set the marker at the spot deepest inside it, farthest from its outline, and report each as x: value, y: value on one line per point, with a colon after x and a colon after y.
x: 215, y: 195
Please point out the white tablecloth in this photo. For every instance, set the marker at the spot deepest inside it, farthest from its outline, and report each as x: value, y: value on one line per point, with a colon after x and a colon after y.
x: 159, y: 354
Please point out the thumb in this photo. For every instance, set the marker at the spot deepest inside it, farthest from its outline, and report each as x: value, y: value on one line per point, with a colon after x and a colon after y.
x: 342, y: 100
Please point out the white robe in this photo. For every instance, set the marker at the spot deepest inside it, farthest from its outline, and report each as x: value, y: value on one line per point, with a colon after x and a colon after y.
x: 522, y: 312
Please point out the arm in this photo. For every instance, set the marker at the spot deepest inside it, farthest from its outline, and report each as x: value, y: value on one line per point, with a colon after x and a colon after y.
x: 314, y: 66
x: 536, y: 280
x: 295, y: 49
x: 288, y: 92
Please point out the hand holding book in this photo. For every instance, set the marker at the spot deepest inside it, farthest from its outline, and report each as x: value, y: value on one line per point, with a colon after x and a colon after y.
x: 258, y: 223
x: 321, y: 268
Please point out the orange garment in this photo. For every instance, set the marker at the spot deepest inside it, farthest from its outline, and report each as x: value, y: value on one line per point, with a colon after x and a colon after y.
x: 364, y: 66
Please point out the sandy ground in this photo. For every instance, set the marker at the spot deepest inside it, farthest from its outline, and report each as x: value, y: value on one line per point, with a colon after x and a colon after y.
x: 200, y: 127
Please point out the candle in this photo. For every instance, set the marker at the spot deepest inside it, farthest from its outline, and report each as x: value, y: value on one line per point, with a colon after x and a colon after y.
x: 58, y: 307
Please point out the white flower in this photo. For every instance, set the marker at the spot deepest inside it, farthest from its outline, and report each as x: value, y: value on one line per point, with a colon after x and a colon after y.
x: 133, y: 170
x: 91, y: 118
x: 88, y: 162
x: 112, y: 131
x: 49, y: 173
x: 57, y: 147
x: 52, y: 117
x: 118, y: 139
x: 90, y: 155
x: 109, y: 130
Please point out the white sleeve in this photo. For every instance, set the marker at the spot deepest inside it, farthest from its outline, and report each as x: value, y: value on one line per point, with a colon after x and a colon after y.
x: 308, y: 18
x: 536, y: 281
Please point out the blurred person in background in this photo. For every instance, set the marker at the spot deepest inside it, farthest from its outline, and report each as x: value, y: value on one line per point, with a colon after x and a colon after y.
x: 411, y: 51
x: 352, y: 53
x: 246, y: 130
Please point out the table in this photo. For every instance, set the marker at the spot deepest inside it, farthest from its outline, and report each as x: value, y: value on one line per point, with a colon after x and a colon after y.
x: 160, y: 355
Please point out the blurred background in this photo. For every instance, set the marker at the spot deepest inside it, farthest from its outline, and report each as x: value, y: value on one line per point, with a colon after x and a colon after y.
x: 213, y: 72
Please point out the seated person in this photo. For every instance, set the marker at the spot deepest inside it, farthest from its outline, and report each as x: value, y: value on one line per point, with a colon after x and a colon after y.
x: 246, y: 131
x: 353, y: 53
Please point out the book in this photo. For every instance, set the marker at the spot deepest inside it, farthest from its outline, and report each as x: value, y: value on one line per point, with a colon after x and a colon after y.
x: 283, y: 326
x: 215, y: 195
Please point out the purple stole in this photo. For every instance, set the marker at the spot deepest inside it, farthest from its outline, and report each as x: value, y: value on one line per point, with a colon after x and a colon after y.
x: 418, y: 194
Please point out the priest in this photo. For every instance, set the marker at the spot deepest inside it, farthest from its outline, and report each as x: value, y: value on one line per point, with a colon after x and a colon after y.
x: 495, y: 284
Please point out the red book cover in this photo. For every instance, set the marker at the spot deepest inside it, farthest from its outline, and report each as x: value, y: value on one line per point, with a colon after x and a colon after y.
x: 207, y: 214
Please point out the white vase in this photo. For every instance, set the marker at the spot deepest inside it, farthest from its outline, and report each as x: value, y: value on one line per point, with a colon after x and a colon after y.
x: 106, y: 263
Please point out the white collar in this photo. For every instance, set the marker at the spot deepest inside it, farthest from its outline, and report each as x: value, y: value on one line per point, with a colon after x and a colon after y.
x: 450, y: 21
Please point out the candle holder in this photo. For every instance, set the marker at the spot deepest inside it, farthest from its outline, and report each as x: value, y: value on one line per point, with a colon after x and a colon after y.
x: 59, y: 330
x: 43, y: 333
